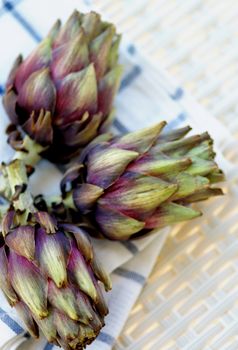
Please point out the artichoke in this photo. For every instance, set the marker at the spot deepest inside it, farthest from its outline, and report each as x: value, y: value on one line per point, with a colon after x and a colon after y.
x: 62, y: 94
x: 128, y: 185
x: 49, y: 272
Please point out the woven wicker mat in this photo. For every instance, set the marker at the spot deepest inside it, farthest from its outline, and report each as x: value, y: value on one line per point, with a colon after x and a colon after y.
x: 195, y: 40
x: 191, y: 299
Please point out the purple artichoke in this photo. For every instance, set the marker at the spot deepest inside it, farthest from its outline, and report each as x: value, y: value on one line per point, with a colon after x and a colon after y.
x: 62, y: 94
x: 129, y: 185
x: 49, y: 272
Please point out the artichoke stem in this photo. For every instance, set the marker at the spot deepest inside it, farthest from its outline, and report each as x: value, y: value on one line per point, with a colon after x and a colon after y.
x: 68, y: 201
x: 5, y: 190
x: 18, y: 182
x: 31, y: 154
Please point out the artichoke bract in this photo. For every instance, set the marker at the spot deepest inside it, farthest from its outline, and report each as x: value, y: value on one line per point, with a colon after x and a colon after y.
x: 62, y: 94
x: 49, y: 272
x: 129, y: 185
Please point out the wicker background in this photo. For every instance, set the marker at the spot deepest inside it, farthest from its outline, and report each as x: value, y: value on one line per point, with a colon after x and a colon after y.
x: 195, y: 40
x: 191, y: 299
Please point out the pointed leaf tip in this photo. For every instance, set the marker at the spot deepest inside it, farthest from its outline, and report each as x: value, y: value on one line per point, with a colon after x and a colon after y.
x: 69, y: 30
x: 101, y: 273
x: 5, y: 284
x: 138, y: 196
x: 86, y: 195
x: 29, y: 284
x: 66, y: 328
x: 38, y: 59
x: 140, y: 141
x: 22, y: 241
x: 170, y: 213
x: 91, y: 24
x: 64, y: 300
x: 54, y: 31
x: 46, y: 221
x: 115, y: 225
x: 83, y: 241
x: 9, y: 102
x: 7, y: 222
x: 38, y: 92
x: 12, y: 75
x: 51, y: 256
x: 106, y: 164
x: 100, y: 50
x: 77, y: 94
x: 70, y: 57
x: 173, y: 135
x: 79, y: 269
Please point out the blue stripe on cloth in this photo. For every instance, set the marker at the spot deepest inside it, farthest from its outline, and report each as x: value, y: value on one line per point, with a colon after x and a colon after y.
x: 178, y: 94
x: 3, y: 9
x: 176, y: 121
x: 12, y: 2
x: 130, y: 77
x: 48, y: 346
x: 130, y: 246
x: 10, y: 7
x: 106, y: 338
x: 120, y: 127
x: 131, y: 275
x: 131, y: 49
x: 15, y: 327
x: 126, y: 81
x: 2, y: 89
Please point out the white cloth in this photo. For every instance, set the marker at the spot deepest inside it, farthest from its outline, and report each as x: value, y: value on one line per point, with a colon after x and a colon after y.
x: 146, y: 96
